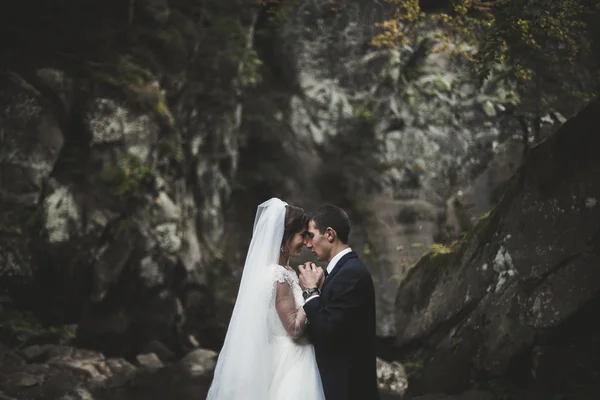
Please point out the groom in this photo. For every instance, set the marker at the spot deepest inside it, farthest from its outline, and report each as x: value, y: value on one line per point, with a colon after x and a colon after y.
x: 340, y: 309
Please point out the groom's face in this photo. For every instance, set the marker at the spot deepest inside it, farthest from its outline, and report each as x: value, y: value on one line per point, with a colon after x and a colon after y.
x: 317, y: 242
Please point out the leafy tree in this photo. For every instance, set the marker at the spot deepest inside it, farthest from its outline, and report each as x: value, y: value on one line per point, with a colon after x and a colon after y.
x: 549, y: 47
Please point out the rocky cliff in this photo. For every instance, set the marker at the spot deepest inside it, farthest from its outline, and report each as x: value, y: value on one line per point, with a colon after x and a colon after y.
x: 119, y: 142
x: 509, y: 307
x: 391, y: 135
x: 137, y: 140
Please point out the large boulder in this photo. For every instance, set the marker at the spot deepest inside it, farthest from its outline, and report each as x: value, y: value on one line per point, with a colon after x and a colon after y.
x: 504, y: 300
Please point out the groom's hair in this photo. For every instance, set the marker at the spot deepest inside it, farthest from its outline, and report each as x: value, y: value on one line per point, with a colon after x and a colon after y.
x: 296, y: 220
x: 330, y: 216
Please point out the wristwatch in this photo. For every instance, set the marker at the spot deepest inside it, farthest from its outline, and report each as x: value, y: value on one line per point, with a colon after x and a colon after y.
x: 309, y: 292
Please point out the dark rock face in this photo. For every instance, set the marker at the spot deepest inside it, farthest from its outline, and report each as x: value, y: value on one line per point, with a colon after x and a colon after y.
x: 499, y: 303
x: 114, y: 174
x: 399, y: 232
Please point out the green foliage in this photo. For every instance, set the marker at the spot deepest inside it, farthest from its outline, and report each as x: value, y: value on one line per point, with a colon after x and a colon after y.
x: 549, y: 46
x: 383, y: 108
x: 395, y: 31
x: 122, y: 74
x: 496, y: 31
x: 280, y: 11
x: 129, y: 181
x: 137, y: 83
x: 202, y: 49
x: 22, y: 327
x: 172, y: 148
x: 542, y: 32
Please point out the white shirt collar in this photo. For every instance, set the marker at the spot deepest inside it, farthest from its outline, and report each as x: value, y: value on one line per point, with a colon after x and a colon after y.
x: 335, y: 259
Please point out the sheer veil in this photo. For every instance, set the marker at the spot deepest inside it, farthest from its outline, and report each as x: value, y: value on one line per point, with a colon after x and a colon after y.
x: 243, y: 369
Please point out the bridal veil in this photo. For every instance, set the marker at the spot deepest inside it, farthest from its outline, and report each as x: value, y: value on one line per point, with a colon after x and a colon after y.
x: 243, y: 369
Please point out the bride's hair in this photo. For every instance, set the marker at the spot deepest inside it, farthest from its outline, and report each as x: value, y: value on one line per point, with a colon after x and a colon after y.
x: 296, y: 220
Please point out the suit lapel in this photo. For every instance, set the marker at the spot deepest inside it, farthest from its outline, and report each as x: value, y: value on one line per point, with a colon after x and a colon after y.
x: 338, y: 266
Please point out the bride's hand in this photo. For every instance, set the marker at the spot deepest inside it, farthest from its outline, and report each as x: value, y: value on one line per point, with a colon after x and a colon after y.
x: 311, y: 276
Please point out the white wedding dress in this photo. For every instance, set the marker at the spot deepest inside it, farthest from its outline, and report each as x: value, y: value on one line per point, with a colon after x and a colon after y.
x: 296, y: 375
x: 264, y: 355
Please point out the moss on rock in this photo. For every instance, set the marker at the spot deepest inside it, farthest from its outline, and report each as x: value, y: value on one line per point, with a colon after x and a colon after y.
x: 20, y: 327
x: 129, y: 181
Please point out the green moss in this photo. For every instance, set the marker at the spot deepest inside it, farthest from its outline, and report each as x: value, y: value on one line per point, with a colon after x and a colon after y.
x: 363, y: 114
x: 429, y: 268
x: 484, y: 228
x: 439, y: 255
x: 161, y: 107
x: 162, y: 110
x: 138, y: 84
x: 485, y: 216
x: 19, y: 221
x: 437, y: 249
x: 251, y: 75
x: 21, y: 327
x: 170, y: 148
x: 129, y: 181
x: 10, y: 230
x: 413, y: 367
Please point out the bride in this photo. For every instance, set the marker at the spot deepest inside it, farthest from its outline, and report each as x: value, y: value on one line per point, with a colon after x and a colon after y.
x: 265, y: 356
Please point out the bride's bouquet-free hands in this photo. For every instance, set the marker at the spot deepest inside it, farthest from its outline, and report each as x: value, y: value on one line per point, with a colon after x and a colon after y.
x: 311, y: 276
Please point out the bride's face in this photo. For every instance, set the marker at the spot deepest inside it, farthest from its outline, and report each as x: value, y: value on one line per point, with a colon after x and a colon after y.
x: 296, y: 243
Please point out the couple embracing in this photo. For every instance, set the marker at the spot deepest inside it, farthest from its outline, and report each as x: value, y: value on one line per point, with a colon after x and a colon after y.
x: 306, y: 337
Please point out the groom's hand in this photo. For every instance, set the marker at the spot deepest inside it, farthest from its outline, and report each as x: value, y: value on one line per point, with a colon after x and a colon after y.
x: 311, y: 276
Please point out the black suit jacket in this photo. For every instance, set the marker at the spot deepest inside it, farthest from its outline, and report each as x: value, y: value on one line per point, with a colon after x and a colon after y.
x: 341, y: 325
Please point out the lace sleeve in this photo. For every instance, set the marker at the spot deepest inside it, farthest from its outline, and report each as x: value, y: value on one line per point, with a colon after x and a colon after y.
x: 280, y: 274
x: 292, y: 318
